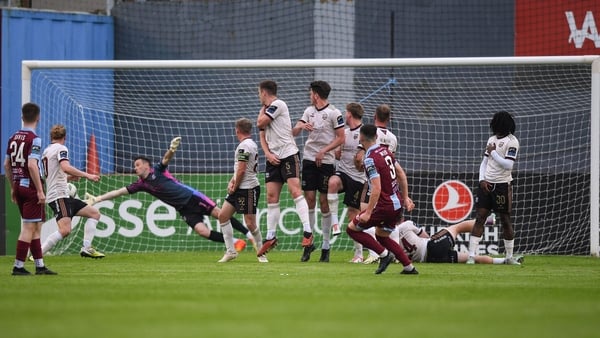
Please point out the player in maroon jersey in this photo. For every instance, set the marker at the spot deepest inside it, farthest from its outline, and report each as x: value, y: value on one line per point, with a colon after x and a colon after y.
x: 21, y: 164
x: 389, y: 190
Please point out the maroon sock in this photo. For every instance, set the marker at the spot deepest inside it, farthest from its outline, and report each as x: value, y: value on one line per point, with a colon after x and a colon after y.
x: 366, y: 240
x: 22, y: 249
x: 36, y: 248
x: 395, y: 248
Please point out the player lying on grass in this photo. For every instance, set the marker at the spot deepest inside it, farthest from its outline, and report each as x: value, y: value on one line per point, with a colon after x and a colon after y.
x: 439, y: 248
x: 191, y: 204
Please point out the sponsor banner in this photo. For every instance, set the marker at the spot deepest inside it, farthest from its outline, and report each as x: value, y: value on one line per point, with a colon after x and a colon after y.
x: 557, y: 27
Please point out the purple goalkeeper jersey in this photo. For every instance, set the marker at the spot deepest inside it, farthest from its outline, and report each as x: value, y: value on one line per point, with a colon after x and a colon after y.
x: 379, y: 162
x: 162, y: 185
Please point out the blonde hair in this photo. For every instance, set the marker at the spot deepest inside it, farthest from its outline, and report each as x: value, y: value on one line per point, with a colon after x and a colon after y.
x: 244, y: 125
x: 58, y: 132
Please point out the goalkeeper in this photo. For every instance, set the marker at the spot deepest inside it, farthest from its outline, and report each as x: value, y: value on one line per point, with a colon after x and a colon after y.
x: 192, y: 204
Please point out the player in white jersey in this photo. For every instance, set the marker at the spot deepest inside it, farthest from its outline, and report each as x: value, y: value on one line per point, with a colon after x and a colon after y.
x: 325, y: 126
x: 440, y: 247
x: 58, y: 171
x: 383, y: 114
x: 347, y: 178
x: 243, y: 191
x: 495, y: 184
x: 281, y: 153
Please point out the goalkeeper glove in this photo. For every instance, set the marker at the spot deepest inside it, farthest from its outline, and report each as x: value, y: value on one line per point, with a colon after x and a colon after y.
x: 90, y: 199
x: 175, y: 143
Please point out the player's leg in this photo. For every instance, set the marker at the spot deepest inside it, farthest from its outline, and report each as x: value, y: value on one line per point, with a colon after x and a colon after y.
x: 463, y: 256
x: 89, y: 232
x: 290, y: 173
x: 355, y: 230
x: 372, y: 257
x: 460, y: 228
x: 23, y: 244
x: 36, y: 250
x: 334, y: 186
x: 325, y: 172
x: 224, y: 216
x: 503, y: 207
x: 310, y: 184
x: 382, y: 235
x: 483, y: 205
x: 274, y: 184
x: 325, y: 227
x: 358, y: 248
x: 249, y: 210
x: 63, y: 213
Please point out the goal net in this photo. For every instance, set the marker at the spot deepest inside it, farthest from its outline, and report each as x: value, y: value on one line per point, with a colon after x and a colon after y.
x: 441, y: 109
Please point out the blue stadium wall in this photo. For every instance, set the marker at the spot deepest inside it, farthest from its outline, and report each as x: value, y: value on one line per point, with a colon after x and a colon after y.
x: 44, y: 35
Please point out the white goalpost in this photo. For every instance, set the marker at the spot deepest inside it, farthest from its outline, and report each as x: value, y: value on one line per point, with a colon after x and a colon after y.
x: 441, y: 108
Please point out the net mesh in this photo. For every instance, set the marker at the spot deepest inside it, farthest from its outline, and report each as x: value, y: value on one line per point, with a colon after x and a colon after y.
x: 440, y: 114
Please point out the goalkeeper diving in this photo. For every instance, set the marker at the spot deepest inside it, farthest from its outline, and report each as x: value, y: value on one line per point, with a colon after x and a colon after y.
x: 156, y: 180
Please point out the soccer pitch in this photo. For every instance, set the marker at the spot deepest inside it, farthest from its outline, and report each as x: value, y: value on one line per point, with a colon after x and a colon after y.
x: 188, y: 294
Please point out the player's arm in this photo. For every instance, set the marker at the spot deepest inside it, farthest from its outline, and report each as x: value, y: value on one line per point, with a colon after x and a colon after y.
x: 91, y: 199
x: 263, y: 120
x: 9, y: 177
x: 407, y: 202
x: 238, y: 176
x: 340, y: 137
x: 34, y: 173
x: 358, y: 158
x: 505, y: 163
x: 171, y: 151
x: 483, y: 184
x: 300, y: 125
x: 375, y: 188
x: 271, y: 158
x: 70, y: 170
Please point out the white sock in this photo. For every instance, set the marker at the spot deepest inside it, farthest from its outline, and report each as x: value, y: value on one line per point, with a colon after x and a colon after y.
x: 39, y: 263
x: 302, y: 210
x: 395, y: 235
x: 496, y: 260
x: 311, y: 218
x: 89, y: 231
x: 473, y: 245
x: 358, y: 249
x: 383, y: 254
x: 326, y: 227
x: 257, y: 237
x: 227, y: 231
x: 508, y: 247
x: 273, y: 213
x: 51, y: 241
x: 333, y: 201
x: 371, y: 231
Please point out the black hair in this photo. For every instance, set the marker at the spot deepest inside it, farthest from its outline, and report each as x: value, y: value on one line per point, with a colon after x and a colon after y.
x: 502, y: 124
x: 269, y: 86
x: 322, y: 88
x: 143, y: 158
x: 369, y: 131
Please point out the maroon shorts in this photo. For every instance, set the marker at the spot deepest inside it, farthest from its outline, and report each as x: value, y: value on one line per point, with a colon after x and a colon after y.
x: 382, y: 217
x: 29, y: 208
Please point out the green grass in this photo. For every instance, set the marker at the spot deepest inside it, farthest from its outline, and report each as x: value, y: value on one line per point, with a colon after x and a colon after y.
x: 190, y: 295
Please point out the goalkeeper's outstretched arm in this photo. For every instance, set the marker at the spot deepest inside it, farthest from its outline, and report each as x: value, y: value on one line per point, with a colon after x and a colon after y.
x: 91, y: 199
x: 171, y: 151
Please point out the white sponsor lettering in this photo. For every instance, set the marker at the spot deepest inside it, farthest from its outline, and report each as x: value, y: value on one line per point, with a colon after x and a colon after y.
x: 588, y: 30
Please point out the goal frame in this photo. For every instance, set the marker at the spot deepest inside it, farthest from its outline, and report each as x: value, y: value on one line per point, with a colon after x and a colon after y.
x: 594, y: 61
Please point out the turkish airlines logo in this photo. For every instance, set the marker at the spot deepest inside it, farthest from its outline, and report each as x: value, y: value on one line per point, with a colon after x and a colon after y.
x: 588, y: 30
x: 452, y: 201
